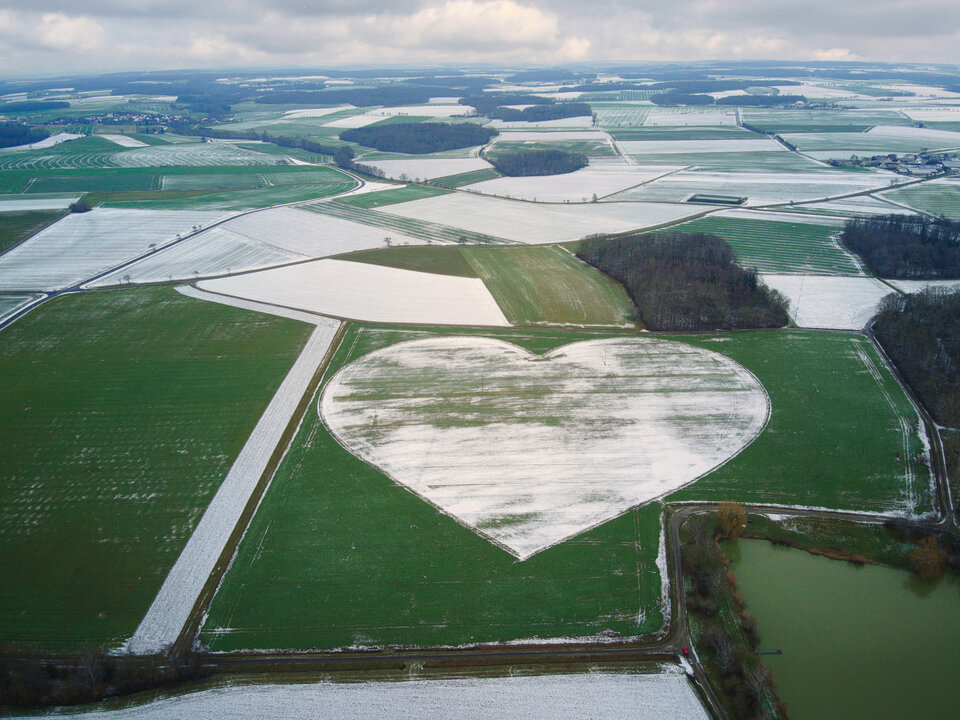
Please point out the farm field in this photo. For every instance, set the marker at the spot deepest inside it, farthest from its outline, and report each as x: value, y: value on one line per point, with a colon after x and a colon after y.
x: 81, y: 246
x: 18, y: 226
x: 876, y: 141
x: 390, y: 196
x: 9, y: 304
x: 859, y: 206
x: 616, y: 115
x: 455, y: 181
x: 779, y: 244
x: 689, y: 147
x: 937, y: 197
x: 830, y: 302
x: 430, y: 168
x: 360, y: 291
x: 759, y: 188
x: 821, y: 121
x: 614, y: 694
x: 766, y: 161
x: 578, y: 186
x: 324, y: 500
x: 549, y: 285
x: 693, y: 116
x: 88, y: 378
x: 682, y: 132
x: 533, y: 223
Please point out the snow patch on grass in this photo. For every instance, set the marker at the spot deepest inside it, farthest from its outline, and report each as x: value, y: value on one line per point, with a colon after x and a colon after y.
x: 838, y: 303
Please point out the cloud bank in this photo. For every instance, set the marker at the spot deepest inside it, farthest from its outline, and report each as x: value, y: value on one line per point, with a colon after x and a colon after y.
x: 99, y: 35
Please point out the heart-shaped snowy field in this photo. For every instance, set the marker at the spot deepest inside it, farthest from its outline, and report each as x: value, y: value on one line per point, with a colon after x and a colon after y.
x: 529, y: 450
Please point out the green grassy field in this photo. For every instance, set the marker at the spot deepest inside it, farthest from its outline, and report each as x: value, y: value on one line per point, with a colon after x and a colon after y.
x: 937, y: 197
x: 779, y: 247
x: 549, y: 285
x: 237, y: 199
x: 422, y: 229
x: 15, y: 227
x: 391, y: 197
x: 834, y: 439
x: 121, y: 412
x: 338, y: 555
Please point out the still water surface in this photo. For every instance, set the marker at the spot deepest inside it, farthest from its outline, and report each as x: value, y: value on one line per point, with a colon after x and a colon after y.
x: 857, y: 642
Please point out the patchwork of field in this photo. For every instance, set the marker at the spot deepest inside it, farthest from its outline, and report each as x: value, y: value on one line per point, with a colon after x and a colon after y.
x: 858, y: 206
x: 360, y: 291
x: 534, y: 285
x: 759, y: 188
x: 937, y: 197
x: 455, y: 181
x: 605, y: 409
x: 389, y: 195
x: 615, y: 115
x: 843, y: 303
x: 532, y: 223
x: 332, y: 528
x: 614, y: 696
x: 777, y: 243
x: 842, y: 433
x: 121, y: 413
x: 429, y: 168
x: 578, y: 186
x: 765, y: 161
x: 689, y: 147
x: 83, y: 245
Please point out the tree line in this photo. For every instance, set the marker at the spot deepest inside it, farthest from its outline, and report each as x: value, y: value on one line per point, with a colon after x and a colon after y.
x: 486, y: 103
x: 541, y: 113
x: 681, y: 281
x: 906, y: 247
x: 921, y: 334
x: 419, y: 138
x: 13, y: 134
x: 537, y: 162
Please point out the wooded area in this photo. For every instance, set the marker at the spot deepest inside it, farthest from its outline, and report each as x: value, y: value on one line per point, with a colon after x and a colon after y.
x: 419, y: 138
x: 541, y: 113
x: 921, y: 334
x: 13, y: 134
x: 906, y: 247
x: 537, y: 162
x: 681, y: 281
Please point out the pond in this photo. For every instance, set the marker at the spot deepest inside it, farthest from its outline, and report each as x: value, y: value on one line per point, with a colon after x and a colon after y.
x: 857, y: 642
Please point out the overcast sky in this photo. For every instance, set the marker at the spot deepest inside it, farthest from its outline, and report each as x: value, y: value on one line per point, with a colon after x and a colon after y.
x: 56, y: 36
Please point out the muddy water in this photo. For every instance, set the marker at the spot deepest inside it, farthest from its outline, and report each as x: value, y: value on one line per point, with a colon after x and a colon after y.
x: 857, y: 642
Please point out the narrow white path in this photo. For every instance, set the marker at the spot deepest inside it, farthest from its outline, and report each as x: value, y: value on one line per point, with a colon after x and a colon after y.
x: 172, y: 606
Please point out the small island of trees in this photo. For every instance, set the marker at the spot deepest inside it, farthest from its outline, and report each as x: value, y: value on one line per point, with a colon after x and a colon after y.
x: 684, y: 281
x: 521, y: 163
x: 419, y: 138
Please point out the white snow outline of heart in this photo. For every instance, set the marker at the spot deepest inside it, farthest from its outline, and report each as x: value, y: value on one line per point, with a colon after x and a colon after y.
x: 547, y: 356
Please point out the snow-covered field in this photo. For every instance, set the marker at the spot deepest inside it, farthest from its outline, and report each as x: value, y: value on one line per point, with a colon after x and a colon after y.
x: 314, y: 112
x: 20, y: 204
x: 360, y: 291
x: 440, y: 111
x: 191, y: 154
x: 182, y: 587
x: 584, y: 121
x: 257, y: 240
x: 760, y: 188
x: 533, y: 223
x: 123, y: 140
x: 428, y: 168
x: 47, y: 142
x: 578, y: 186
x: 598, y: 695
x: 353, y: 121
x: 82, y: 245
x: 839, y: 303
x: 663, y: 147
x: 857, y: 205
x: 921, y: 136
x: 690, y: 116
x: 818, y: 91
x: 933, y: 114
x: 637, y: 417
